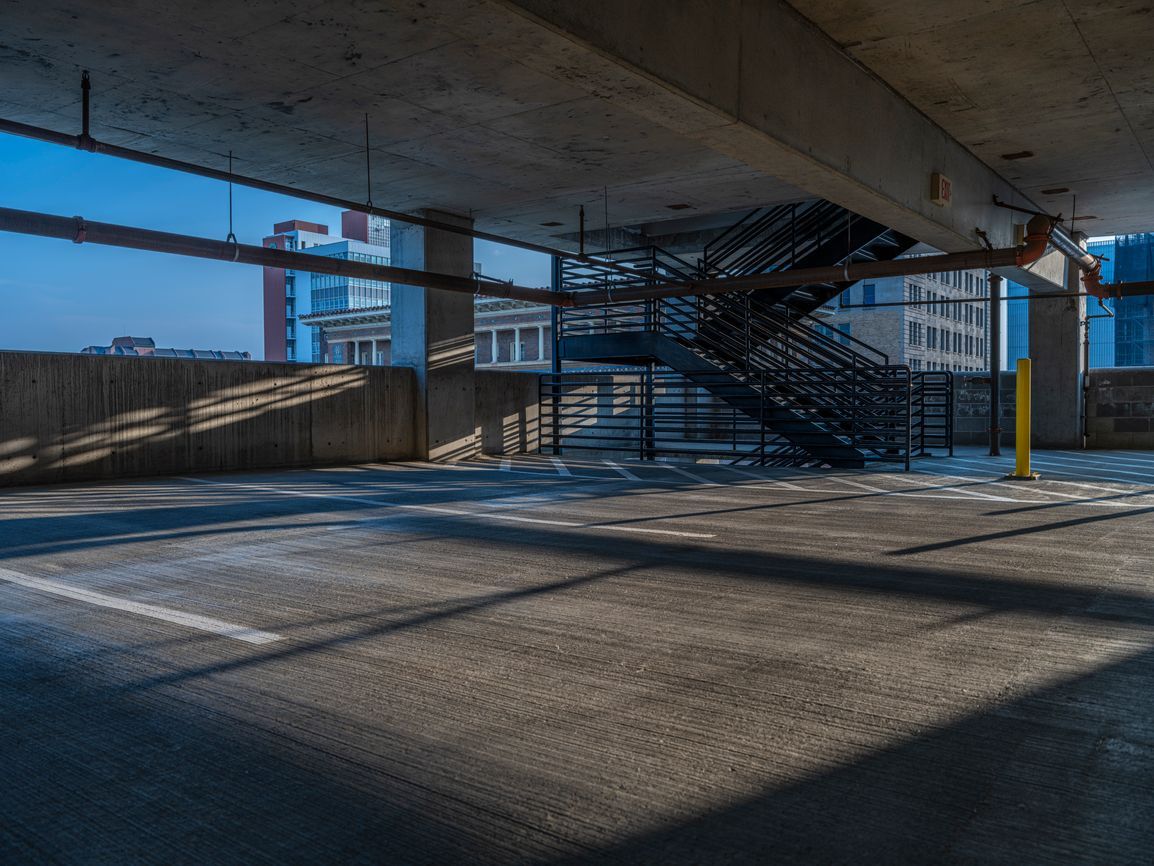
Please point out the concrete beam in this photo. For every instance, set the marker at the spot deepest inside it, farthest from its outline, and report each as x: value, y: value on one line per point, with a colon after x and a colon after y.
x: 760, y: 83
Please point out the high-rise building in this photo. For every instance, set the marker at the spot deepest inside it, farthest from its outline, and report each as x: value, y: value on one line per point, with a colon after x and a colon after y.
x: 1125, y: 339
x: 1016, y: 325
x: 946, y: 333
x: 1134, y: 326
x: 289, y: 295
x: 321, y: 318
x: 1103, y: 329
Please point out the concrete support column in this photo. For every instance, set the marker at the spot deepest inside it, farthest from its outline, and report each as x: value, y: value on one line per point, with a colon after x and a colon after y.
x: 373, y: 356
x: 1058, y: 367
x: 433, y: 332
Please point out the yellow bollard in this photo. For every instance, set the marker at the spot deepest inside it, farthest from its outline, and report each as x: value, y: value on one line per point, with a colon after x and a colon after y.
x: 1022, y: 434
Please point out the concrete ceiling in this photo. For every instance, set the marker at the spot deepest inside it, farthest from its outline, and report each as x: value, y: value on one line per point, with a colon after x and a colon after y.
x: 1070, y: 81
x: 518, y: 111
x: 457, y: 120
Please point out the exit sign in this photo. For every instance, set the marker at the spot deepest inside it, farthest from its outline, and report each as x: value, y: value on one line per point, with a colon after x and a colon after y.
x: 941, y: 189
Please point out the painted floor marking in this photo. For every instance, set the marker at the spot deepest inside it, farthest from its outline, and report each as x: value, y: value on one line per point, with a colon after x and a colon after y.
x: 1052, y: 471
x: 1092, y: 460
x: 561, y: 468
x: 688, y: 475
x: 453, y: 512
x: 621, y: 469
x: 974, y: 493
x: 1042, y: 491
x: 99, y: 599
x: 506, y: 464
x: 766, y: 478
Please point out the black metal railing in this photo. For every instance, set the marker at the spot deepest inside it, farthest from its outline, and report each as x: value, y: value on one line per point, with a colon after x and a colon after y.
x: 780, y: 381
x: 933, y: 412
x: 754, y: 418
x: 732, y: 330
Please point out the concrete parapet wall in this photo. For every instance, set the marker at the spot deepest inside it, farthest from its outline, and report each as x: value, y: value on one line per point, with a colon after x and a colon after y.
x: 1119, y: 408
x: 507, y: 411
x: 80, y: 417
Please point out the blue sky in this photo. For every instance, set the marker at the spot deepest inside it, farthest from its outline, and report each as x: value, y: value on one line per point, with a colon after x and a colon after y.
x: 60, y: 297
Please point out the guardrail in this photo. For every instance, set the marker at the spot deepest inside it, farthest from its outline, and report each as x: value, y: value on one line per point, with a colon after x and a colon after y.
x: 788, y: 416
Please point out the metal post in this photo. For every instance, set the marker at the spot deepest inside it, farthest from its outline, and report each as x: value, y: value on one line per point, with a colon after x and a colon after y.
x: 1022, y: 441
x: 555, y: 317
x: 555, y: 385
x: 909, y: 417
x: 995, y: 317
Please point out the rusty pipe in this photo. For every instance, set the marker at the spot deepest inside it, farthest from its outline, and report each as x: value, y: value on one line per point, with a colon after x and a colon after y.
x: 1037, y: 238
x: 80, y: 230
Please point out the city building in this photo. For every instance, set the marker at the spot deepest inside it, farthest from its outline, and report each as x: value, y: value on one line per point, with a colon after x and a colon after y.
x: 289, y: 295
x: 145, y: 347
x: 1134, y: 325
x: 1016, y: 325
x: 348, y: 321
x: 1125, y: 339
x: 947, y: 333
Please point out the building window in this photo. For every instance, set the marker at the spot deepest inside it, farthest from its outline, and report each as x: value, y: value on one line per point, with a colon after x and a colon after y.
x: 530, y: 343
x: 915, y: 335
x: 484, y: 347
x: 868, y: 293
x: 505, y: 346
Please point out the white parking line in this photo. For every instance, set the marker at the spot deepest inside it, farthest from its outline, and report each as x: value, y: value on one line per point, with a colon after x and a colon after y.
x: 1049, y: 469
x: 625, y: 472
x: 974, y: 493
x: 765, y: 478
x: 688, y: 475
x: 561, y: 468
x: 454, y: 512
x: 189, y: 620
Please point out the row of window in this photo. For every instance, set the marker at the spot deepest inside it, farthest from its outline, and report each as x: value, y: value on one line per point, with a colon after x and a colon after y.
x: 936, y: 366
x: 948, y: 341
x: 967, y: 281
x: 510, y: 345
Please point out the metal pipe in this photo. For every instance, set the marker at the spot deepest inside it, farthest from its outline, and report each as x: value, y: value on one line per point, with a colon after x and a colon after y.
x: 1037, y: 239
x: 995, y: 319
x: 79, y: 230
x: 86, y: 142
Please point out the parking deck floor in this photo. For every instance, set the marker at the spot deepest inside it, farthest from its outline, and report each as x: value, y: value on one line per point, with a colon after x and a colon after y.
x: 566, y: 660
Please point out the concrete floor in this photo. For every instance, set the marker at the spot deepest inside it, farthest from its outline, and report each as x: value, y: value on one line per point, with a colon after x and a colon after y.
x: 554, y: 662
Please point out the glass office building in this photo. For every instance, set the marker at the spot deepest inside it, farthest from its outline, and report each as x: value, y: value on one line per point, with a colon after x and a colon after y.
x: 1134, y: 325
x: 1102, y: 330
x: 1124, y: 340
x: 1017, y: 326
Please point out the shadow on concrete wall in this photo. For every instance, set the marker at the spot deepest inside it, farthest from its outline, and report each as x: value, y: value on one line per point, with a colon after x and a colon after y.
x: 74, y: 417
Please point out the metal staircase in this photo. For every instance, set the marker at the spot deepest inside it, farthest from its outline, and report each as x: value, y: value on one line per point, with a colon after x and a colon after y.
x: 755, y: 366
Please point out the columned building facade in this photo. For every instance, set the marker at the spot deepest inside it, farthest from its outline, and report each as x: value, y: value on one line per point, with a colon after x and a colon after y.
x: 326, y: 319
